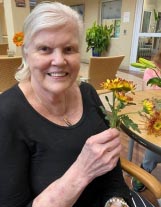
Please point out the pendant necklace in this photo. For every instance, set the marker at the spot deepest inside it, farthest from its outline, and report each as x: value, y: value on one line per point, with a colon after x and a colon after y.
x: 68, y: 123
x: 65, y: 118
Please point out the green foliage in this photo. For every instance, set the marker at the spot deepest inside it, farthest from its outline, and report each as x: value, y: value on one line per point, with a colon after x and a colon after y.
x: 98, y: 37
x: 156, y: 17
x: 115, y: 120
x: 147, y: 63
x: 154, y: 81
x: 129, y: 123
x: 143, y: 64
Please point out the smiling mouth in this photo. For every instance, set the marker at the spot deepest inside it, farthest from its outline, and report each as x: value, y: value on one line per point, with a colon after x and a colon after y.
x: 54, y: 74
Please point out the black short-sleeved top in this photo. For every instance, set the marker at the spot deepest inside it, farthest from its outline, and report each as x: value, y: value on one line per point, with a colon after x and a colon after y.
x: 34, y: 151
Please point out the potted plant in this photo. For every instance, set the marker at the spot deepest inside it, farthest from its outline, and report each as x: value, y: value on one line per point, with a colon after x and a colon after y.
x: 98, y: 38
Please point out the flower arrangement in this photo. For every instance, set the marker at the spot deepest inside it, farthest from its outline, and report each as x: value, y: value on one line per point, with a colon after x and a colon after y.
x: 18, y: 38
x: 120, y: 89
x: 151, y: 107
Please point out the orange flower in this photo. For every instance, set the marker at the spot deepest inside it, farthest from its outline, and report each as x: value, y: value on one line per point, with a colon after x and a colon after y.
x: 18, y: 39
x: 152, y: 113
x: 153, y: 124
x: 121, y: 96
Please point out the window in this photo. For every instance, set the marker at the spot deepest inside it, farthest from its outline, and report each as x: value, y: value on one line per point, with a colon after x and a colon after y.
x: 32, y: 4
x: 79, y: 9
x: 111, y: 14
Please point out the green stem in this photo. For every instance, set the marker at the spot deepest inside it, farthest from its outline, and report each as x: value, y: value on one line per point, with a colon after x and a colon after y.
x: 113, y: 123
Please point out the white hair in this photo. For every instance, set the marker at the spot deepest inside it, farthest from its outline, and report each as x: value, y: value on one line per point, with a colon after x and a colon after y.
x: 44, y: 16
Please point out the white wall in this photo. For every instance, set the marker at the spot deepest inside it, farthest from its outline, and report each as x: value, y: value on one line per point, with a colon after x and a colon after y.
x: 121, y: 45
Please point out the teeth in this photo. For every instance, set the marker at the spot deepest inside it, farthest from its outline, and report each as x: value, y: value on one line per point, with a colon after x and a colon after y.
x: 57, y: 74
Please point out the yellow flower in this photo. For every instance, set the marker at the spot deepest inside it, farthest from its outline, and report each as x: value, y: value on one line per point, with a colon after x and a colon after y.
x: 112, y: 84
x: 18, y: 38
x: 148, y: 106
x: 118, y: 84
x: 129, y: 86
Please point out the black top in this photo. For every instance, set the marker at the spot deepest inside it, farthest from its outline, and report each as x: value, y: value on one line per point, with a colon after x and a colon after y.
x: 34, y: 151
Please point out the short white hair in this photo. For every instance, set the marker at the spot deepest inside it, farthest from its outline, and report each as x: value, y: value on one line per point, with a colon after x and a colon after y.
x: 44, y: 16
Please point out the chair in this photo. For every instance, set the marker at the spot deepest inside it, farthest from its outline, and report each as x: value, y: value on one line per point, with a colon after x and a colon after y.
x: 102, y: 68
x: 3, y: 49
x: 152, y: 184
x: 8, y: 67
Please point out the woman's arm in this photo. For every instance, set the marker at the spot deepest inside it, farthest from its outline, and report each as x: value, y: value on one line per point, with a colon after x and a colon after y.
x: 14, y: 161
x: 98, y: 156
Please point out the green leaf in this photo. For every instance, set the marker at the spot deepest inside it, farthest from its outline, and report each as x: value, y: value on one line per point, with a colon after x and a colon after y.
x: 138, y: 65
x: 154, y: 81
x: 121, y: 105
x: 129, y: 123
x: 147, y: 63
x: 98, y: 37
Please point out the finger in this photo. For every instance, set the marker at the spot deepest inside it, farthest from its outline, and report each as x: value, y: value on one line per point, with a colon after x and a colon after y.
x: 112, y: 144
x: 105, y: 136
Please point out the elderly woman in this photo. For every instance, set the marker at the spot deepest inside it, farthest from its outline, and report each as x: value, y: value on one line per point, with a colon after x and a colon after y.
x: 56, y: 150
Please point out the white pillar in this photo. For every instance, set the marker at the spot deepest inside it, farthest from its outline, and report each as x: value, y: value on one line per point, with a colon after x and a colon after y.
x: 14, y: 17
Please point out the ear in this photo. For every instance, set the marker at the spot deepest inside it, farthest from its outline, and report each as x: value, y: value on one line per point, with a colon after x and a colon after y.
x: 24, y: 52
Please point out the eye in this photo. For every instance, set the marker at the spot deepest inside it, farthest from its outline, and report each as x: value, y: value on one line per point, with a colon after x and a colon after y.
x: 44, y: 49
x: 70, y: 49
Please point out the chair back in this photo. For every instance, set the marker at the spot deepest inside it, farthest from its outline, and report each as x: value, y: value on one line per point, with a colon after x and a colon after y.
x: 8, y: 67
x: 3, y: 49
x: 102, y: 68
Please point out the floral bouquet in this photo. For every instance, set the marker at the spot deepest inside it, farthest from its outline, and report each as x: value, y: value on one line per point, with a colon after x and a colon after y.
x: 120, y: 89
x: 151, y: 107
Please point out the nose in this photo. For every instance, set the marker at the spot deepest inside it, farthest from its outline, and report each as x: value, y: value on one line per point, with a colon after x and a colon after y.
x: 58, y: 57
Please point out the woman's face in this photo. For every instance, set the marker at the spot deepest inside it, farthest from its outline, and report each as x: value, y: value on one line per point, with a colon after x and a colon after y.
x: 53, y: 57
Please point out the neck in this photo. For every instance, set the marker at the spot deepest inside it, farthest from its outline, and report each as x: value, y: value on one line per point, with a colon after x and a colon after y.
x: 55, y: 106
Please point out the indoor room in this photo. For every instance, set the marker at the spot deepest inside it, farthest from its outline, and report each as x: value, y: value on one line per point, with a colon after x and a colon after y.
x: 120, y: 42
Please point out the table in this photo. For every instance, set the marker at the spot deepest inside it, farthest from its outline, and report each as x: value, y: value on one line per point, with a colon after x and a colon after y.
x: 8, y: 57
x: 149, y: 141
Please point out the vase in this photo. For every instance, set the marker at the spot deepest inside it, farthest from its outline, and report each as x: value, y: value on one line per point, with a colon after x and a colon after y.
x: 95, y: 52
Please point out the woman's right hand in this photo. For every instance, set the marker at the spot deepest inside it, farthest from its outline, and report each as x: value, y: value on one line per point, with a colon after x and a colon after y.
x: 99, y: 154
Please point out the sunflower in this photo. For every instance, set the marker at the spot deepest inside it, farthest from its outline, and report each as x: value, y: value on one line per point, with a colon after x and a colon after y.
x: 118, y: 84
